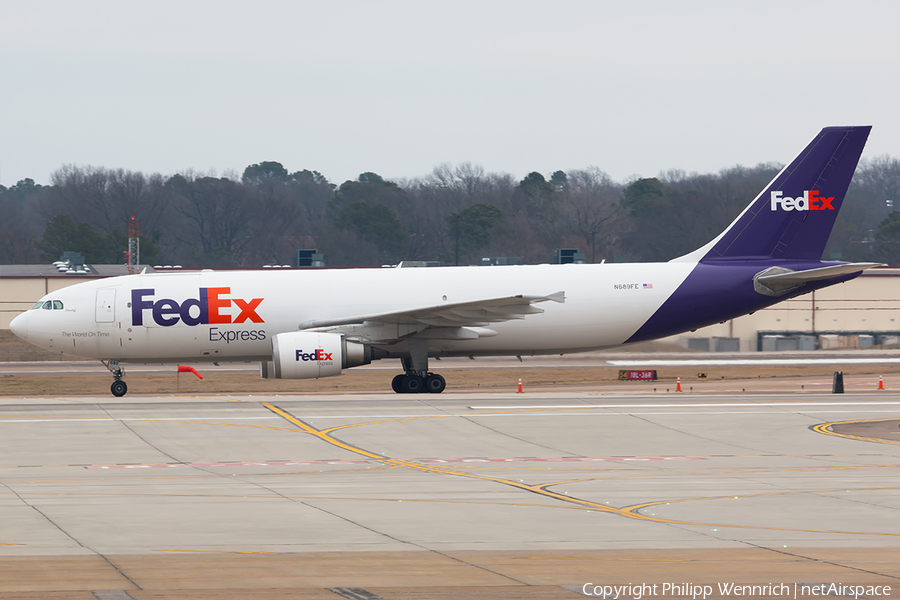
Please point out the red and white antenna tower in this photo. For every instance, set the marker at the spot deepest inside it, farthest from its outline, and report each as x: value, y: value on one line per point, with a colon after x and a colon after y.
x: 133, y: 254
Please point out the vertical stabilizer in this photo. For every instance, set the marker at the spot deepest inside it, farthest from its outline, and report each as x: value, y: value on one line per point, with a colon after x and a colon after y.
x: 793, y: 217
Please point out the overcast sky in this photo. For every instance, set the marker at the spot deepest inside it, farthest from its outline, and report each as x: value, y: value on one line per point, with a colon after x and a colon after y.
x: 633, y: 88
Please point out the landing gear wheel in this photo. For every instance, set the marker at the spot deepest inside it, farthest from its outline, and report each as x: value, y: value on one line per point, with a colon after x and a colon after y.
x: 412, y: 384
x: 435, y: 384
x: 397, y: 384
x: 118, y: 388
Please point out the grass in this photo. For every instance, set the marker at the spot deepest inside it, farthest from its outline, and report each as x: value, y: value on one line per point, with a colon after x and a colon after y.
x: 379, y: 381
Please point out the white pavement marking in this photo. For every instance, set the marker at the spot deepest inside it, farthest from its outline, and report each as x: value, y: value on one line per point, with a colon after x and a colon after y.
x: 163, y: 418
x: 680, y: 412
x: 689, y: 405
x: 609, y: 410
x: 782, y: 362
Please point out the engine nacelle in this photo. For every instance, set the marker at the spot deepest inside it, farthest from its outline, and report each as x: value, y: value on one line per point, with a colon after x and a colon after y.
x: 310, y: 355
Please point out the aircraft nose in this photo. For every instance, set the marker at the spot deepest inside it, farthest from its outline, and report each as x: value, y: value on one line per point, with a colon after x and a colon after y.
x: 19, y: 326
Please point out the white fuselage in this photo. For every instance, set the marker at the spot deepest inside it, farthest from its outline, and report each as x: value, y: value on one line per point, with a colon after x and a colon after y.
x: 604, y: 305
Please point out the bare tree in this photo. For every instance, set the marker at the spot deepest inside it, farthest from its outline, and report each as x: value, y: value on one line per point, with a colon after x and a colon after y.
x: 593, y: 212
x: 107, y: 198
x: 216, y: 213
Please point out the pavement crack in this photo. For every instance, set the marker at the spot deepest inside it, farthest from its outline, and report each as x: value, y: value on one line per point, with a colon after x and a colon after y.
x: 411, y: 543
x: 524, y: 441
x: 355, y: 523
x: 158, y: 449
x: 699, y: 437
x: 137, y: 435
x: 479, y: 567
x: 59, y: 528
x: 821, y: 561
x: 498, y: 432
x: 44, y: 515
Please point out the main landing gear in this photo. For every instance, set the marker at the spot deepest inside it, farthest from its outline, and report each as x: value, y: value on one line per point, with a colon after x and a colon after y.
x: 417, y: 379
x: 412, y: 383
x: 118, y: 387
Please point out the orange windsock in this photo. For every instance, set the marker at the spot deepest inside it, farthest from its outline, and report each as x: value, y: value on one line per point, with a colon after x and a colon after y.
x: 187, y: 369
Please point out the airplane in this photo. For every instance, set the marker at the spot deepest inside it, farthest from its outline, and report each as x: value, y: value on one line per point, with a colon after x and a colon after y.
x: 302, y: 324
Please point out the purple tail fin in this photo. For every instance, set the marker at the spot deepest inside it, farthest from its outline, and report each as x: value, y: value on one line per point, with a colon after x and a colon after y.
x: 793, y: 217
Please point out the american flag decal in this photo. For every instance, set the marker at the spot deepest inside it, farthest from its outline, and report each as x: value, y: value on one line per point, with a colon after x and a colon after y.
x: 648, y: 286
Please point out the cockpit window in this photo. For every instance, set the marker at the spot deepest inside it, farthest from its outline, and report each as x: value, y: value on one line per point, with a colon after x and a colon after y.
x: 48, y: 305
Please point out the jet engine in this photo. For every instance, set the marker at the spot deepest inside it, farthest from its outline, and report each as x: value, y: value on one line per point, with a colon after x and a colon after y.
x: 310, y: 355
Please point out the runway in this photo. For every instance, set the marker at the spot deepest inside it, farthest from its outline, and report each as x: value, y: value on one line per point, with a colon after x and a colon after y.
x: 452, y: 496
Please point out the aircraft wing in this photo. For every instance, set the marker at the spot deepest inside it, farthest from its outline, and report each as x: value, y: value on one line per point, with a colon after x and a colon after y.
x: 780, y: 280
x: 458, y: 320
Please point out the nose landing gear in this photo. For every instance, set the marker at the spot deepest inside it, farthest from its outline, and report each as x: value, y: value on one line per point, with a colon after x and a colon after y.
x: 118, y: 387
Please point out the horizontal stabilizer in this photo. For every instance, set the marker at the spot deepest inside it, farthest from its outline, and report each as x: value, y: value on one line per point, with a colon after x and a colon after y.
x: 777, y: 281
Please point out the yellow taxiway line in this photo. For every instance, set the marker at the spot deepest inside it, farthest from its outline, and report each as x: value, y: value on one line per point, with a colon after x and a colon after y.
x: 631, y: 512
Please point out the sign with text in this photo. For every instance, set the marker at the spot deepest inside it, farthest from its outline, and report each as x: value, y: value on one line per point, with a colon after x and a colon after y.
x: 637, y: 375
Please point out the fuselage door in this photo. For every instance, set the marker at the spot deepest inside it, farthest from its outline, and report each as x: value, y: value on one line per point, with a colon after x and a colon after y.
x: 106, y: 305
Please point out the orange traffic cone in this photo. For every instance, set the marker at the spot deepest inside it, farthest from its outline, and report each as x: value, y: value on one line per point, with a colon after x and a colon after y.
x: 880, y: 382
x: 519, y: 391
x: 678, y: 384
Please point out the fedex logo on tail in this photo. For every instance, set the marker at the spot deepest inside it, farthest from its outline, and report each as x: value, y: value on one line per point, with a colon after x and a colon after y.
x: 207, y: 308
x: 318, y: 355
x: 810, y: 200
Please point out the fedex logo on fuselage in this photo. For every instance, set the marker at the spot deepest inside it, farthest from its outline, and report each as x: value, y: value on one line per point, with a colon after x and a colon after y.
x: 318, y: 355
x: 207, y: 308
x: 810, y: 200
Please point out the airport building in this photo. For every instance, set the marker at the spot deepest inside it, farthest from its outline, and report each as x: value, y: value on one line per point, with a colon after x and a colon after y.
x: 859, y: 313
x: 23, y: 285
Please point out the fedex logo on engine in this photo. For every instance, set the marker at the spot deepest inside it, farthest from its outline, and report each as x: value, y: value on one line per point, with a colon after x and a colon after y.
x: 810, y: 200
x: 206, y: 309
x: 318, y: 355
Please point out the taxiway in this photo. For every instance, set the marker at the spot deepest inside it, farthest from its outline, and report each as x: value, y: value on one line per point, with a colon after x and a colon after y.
x: 451, y: 496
